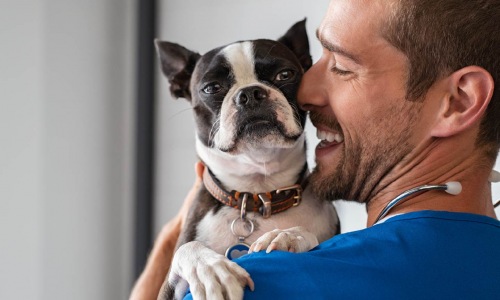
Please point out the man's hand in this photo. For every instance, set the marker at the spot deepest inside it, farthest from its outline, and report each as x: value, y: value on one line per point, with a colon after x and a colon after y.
x: 149, y: 283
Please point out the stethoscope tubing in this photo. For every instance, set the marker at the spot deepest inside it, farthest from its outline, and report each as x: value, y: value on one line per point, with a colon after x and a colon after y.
x: 404, y: 196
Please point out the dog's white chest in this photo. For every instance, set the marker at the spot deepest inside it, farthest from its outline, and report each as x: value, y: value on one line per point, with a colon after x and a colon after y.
x: 215, y: 231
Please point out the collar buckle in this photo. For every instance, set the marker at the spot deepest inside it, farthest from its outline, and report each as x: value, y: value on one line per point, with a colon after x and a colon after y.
x: 298, y: 190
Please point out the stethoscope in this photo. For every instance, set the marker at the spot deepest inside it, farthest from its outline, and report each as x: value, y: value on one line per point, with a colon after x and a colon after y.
x: 452, y: 187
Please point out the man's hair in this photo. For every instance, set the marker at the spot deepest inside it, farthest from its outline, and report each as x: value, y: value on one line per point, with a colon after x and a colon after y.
x: 443, y: 36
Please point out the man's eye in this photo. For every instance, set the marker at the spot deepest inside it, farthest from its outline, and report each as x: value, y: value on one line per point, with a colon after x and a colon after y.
x: 340, y: 71
x: 284, y: 75
x: 212, y: 88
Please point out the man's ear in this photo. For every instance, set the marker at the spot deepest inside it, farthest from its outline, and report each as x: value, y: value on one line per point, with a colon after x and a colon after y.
x: 177, y: 64
x: 296, y: 40
x: 469, y: 92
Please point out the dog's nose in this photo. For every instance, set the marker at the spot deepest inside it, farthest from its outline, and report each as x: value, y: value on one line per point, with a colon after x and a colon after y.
x: 251, y: 96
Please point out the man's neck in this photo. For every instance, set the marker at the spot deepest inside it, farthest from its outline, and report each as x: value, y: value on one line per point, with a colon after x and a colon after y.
x: 441, y: 162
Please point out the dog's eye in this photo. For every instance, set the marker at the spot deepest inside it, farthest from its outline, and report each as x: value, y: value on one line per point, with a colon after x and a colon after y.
x: 212, y: 88
x: 284, y: 75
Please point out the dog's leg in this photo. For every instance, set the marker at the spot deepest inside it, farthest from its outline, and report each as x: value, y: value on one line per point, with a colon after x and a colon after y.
x: 295, y: 239
x: 209, y: 274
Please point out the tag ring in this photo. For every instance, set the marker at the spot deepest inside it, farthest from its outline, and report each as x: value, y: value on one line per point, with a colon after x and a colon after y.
x: 252, y: 227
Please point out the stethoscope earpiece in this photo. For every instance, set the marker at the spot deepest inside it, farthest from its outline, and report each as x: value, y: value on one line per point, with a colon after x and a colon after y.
x: 453, y: 187
x: 494, y: 176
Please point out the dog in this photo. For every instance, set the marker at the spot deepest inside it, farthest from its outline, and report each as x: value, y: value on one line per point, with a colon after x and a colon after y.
x: 250, y: 136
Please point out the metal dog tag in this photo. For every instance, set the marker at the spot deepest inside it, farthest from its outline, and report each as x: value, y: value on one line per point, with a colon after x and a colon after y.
x: 241, y: 248
x: 237, y: 250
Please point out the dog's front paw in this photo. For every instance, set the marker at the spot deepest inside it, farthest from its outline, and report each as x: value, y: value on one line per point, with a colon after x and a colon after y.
x: 209, y: 274
x: 295, y: 239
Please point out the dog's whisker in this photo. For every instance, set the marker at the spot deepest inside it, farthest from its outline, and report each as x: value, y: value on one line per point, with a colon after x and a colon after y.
x: 296, y: 114
x: 173, y: 116
x: 214, y: 128
x: 285, y: 84
x: 268, y: 52
x: 213, y: 132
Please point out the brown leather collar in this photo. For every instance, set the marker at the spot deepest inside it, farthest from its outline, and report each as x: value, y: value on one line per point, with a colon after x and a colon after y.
x: 266, y: 203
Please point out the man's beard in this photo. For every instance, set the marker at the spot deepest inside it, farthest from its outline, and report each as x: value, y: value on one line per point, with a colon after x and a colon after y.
x: 349, y: 180
x: 361, y: 168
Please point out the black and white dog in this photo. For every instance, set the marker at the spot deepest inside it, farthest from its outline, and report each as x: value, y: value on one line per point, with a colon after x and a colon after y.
x: 249, y: 135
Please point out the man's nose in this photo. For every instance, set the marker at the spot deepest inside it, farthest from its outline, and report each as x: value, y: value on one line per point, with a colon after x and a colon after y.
x: 312, y: 92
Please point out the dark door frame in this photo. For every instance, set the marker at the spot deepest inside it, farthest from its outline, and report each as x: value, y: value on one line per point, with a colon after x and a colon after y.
x: 144, y: 133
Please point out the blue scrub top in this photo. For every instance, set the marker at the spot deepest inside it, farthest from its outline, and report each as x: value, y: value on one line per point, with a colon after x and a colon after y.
x: 420, y: 255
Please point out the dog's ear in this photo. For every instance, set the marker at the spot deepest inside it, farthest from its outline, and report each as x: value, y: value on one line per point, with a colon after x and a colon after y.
x: 296, y: 40
x: 177, y: 64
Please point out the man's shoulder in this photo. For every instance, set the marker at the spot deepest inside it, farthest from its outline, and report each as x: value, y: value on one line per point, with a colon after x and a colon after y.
x: 400, y: 251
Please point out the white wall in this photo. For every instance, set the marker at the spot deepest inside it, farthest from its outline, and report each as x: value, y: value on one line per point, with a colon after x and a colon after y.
x: 66, y: 80
x: 20, y: 149
x: 201, y: 26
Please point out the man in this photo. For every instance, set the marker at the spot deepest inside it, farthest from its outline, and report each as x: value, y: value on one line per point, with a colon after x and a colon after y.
x: 409, y: 86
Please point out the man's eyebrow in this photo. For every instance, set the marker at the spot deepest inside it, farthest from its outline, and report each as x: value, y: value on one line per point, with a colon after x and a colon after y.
x: 336, y: 49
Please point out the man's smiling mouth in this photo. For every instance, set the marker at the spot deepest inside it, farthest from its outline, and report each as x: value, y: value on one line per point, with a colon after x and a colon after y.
x: 328, y: 138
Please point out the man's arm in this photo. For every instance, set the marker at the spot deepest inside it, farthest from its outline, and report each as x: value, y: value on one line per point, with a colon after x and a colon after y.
x: 149, y: 283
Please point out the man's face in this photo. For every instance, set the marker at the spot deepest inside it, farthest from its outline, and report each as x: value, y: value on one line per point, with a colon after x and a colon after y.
x: 356, y: 97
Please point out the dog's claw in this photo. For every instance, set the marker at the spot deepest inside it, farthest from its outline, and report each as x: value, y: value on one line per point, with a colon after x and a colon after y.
x: 250, y: 283
x: 256, y: 247
x: 295, y: 239
x: 271, y: 247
